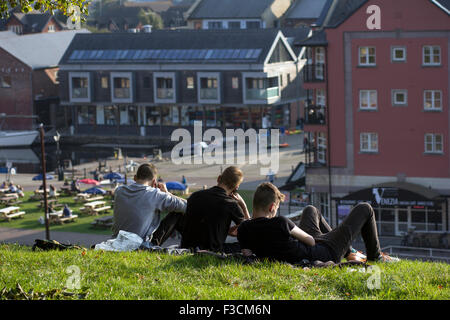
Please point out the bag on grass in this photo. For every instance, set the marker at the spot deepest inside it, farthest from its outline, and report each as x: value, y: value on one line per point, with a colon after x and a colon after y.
x: 53, y: 245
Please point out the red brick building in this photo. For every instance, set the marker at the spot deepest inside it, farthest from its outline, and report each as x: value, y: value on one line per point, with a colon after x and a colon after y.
x: 28, y: 76
x: 377, y: 112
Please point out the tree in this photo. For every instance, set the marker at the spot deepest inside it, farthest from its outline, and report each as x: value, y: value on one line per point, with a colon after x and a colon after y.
x: 77, y: 9
x: 152, y: 18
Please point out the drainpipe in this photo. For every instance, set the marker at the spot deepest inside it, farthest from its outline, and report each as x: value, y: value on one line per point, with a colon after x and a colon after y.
x: 330, y: 189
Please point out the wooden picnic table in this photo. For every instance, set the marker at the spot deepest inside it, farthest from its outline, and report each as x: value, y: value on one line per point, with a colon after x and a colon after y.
x: 95, y: 207
x: 11, y: 213
x: 58, y: 217
x: 103, y: 222
x: 49, y: 202
x: 9, y: 199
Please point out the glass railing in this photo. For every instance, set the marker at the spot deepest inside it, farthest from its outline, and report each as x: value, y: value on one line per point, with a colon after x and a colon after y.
x: 121, y: 93
x: 78, y: 93
x: 262, y: 94
x: 209, y: 94
x: 163, y: 93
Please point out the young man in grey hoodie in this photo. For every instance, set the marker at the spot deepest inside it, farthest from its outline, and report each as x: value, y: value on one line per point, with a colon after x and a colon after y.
x: 138, y: 207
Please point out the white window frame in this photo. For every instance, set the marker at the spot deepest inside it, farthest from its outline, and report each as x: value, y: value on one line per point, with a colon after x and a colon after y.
x: 215, y: 75
x: 433, y: 100
x: 321, y: 148
x: 319, y: 62
x: 431, y: 141
x: 128, y: 75
x: 80, y: 75
x: 260, y: 75
x: 369, y: 102
x: 370, y: 137
x: 320, y: 97
x: 394, y: 58
x: 431, y: 63
x: 394, y: 97
x: 367, y: 57
x: 171, y: 75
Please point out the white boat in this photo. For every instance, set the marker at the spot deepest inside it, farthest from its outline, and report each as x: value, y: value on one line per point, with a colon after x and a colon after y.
x: 17, y: 138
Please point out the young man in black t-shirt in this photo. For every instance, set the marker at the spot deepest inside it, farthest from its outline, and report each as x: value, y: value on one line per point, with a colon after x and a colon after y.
x: 278, y: 238
x: 210, y: 212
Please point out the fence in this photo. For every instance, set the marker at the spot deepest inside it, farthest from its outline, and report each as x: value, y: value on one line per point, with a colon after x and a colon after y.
x: 416, y: 253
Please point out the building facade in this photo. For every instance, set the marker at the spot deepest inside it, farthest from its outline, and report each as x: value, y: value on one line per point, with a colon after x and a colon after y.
x: 149, y: 84
x: 377, y: 114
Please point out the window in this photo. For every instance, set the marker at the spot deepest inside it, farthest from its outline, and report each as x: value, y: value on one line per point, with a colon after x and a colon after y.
x: 170, y: 116
x: 104, y: 81
x: 431, y: 55
x: 51, y: 28
x: 209, y: 87
x: 152, y: 116
x: 369, y: 142
x: 121, y: 87
x: 165, y: 88
x: 399, y: 97
x: 190, y: 82
x: 252, y: 24
x: 86, y: 115
x: 235, y: 82
x: 110, y: 115
x: 215, y: 25
x: 367, y: 56
x: 432, y: 100
x: 128, y: 115
x: 79, y: 87
x: 5, y: 82
x: 398, y: 54
x: 16, y: 29
x: 320, y: 97
x: 434, y: 143
x: 234, y: 25
x: 321, y: 148
x: 368, y: 100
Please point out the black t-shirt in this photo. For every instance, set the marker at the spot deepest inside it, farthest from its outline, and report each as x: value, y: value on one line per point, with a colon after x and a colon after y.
x: 271, y: 238
x: 208, y: 218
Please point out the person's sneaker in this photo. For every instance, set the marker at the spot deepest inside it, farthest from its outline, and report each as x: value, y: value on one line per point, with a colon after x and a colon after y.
x: 384, y: 257
x: 356, y: 255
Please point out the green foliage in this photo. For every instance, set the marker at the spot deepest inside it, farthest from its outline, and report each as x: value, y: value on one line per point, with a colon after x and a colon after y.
x: 150, y: 17
x: 67, y: 7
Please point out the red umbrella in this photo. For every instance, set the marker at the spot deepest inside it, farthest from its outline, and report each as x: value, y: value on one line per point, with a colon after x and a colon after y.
x: 90, y: 181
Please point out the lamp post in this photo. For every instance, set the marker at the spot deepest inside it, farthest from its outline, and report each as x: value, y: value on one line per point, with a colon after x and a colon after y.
x: 57, y: 138
x: 44, y: 182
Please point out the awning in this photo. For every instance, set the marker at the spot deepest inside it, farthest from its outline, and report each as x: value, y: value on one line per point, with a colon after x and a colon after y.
x: 296, y: 180
x: 392, y: 195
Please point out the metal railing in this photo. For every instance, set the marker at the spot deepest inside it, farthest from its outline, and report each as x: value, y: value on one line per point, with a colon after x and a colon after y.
x: 314, y: 73
x: 417, y: 253
x: 315, y: 115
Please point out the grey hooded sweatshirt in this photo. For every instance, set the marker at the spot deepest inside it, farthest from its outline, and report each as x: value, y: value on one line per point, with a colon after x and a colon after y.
x: 137, y: 209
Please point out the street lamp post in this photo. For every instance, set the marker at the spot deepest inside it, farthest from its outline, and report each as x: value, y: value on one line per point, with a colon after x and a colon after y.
x: 57, y: 138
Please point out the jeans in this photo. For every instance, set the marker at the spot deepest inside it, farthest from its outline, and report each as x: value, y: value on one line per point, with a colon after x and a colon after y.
x: 361, y: 219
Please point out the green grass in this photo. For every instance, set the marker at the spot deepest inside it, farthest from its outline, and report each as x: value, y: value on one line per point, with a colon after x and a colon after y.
x: 83, y: 222
x: 144, y: 275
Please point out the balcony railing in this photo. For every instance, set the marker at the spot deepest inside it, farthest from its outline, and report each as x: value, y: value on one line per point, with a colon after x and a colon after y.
x: 315, y: 115
x: 314, y: 73
x: 163, y: 93
x: 315, y: 157
x: 79, y: 93
x: 209, y: 93
x: 121, y: 93
x: 262, y: 94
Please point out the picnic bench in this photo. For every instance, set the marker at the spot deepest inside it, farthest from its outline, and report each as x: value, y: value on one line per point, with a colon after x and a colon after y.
x: 9, y: 198
x: 67, y: 190
x: 86, y: 197
x: 58, y: 217
x: 11, y: 213
x: 103, y: 222
x: 95, y: 207
x: 39, y: 195
x: 53, y: 202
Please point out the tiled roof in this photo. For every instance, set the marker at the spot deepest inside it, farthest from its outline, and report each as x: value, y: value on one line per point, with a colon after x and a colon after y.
x: 230, y: 9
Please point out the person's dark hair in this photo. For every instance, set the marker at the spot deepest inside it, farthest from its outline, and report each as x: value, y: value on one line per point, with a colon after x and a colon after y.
x: 146, y: 171
x: 231, y: 177
x: 266, y: 194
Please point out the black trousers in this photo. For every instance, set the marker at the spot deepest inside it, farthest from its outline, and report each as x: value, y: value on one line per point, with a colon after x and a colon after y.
x: 361, y: 219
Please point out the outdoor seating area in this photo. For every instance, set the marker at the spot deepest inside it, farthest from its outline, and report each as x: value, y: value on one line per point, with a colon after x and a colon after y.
x: 9, y: 198
x: 11, y: 213
x: 95, y: 208
x: 59, y: 218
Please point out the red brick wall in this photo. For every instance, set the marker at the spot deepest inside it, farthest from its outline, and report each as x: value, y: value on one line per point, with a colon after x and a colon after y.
x: 16, y: 100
